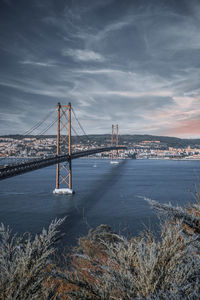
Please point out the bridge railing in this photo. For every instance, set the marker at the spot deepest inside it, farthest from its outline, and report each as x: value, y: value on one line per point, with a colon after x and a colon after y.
x: 21, y: 168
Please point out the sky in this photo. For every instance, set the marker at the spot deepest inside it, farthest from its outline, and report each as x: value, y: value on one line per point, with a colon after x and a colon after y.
x: 129, y: 62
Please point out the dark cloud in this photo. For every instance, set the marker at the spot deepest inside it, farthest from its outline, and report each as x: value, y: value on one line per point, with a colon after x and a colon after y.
x: 135, y: 63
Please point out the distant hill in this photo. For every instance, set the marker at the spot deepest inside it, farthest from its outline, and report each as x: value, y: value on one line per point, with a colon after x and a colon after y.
x: 170, y: 141
x: 124, y: 139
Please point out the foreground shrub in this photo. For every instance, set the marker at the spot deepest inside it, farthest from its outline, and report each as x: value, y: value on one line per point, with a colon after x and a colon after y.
x: 24, y: 264
x: 108, y: 266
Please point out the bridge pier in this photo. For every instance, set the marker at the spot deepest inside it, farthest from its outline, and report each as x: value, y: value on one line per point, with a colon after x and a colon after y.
x: 64, y: 171
x: 63, y: 191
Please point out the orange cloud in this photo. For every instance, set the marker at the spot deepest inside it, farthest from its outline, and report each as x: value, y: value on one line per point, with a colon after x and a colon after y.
x: 188, y: 127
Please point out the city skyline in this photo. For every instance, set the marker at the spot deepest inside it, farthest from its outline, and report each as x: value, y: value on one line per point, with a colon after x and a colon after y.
x: 135, y: 63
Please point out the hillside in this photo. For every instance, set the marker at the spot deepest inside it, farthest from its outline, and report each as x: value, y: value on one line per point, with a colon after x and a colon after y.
x: 123, y: 139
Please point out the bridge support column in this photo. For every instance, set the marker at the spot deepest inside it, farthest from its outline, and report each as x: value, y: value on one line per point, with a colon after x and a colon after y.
x: 64, y: 170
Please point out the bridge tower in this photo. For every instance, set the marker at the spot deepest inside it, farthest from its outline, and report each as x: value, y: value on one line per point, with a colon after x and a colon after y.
x: 64, y: 170
x: 114, y: 142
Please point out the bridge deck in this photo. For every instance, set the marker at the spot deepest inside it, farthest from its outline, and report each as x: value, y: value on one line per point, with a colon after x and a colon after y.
x: 21, y: 168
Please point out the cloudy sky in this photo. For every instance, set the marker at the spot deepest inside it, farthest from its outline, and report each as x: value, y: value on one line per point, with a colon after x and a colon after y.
x: 131, y: 62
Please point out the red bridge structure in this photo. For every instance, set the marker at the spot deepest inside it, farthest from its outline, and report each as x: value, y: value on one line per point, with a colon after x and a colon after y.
x: 63, y: 161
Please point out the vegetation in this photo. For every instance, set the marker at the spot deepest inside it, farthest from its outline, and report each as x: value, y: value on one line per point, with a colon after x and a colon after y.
x: 105, y: 265
x: 25, y: 264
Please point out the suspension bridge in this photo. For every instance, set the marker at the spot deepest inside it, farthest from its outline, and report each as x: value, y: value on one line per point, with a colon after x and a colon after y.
x: 62, y: 160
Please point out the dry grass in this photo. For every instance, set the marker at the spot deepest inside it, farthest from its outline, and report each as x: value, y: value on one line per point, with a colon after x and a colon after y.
x: 141, y: 268
x: 105, y: 265
x: 24, y: 272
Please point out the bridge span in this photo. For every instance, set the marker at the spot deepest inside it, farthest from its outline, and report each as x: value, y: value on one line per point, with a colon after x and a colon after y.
x: 28, y: 166
x: 63, y: 171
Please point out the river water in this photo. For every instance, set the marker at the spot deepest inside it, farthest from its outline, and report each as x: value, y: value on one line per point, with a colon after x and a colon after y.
x: 105, y: 194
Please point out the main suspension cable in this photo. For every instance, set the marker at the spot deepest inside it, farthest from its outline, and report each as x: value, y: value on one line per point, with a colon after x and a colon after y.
x: 81, y: 127
x: 39, y: 123
x: 47, y: 128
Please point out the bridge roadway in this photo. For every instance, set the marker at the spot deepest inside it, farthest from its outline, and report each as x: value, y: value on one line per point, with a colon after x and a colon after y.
x: 24, y: 167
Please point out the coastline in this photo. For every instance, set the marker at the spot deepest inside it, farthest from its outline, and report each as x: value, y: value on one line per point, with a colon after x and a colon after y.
x: 108, y: 158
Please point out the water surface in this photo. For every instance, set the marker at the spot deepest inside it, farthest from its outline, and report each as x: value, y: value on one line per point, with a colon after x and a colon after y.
x: 105, y: 194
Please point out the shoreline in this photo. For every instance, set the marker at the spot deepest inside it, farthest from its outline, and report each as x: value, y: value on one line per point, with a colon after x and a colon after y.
x: 108, y: 158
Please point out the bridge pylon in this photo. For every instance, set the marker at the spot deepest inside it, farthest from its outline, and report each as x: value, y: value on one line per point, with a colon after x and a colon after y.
x: 64, y: 170
x: 114, y: 157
